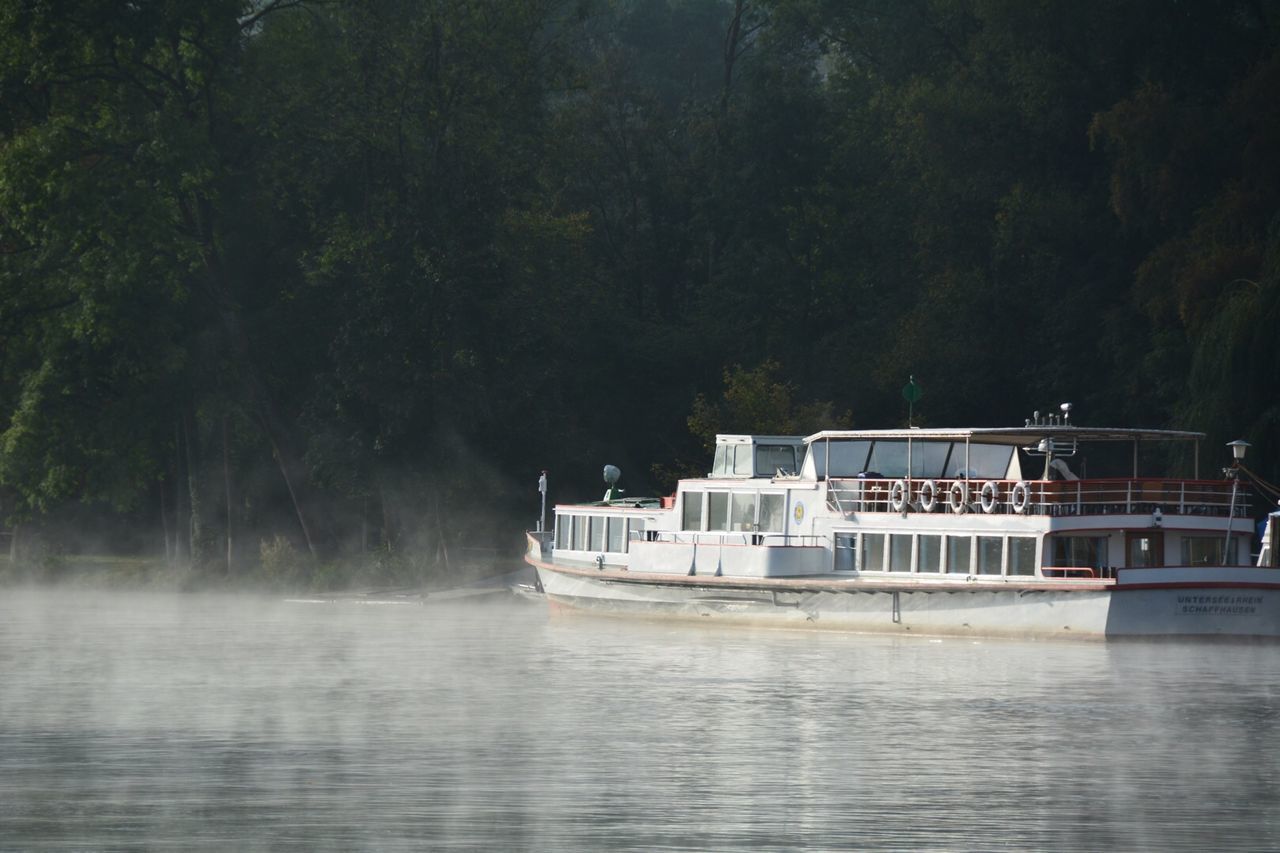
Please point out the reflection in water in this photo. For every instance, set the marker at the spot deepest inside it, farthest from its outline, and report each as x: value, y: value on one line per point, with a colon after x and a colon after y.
x: 187, y: 722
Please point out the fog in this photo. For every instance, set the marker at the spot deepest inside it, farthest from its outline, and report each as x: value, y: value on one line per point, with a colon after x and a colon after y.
x: 158, y: 721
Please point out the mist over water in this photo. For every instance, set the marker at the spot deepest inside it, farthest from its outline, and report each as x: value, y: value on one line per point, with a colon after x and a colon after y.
x: 173, y: 722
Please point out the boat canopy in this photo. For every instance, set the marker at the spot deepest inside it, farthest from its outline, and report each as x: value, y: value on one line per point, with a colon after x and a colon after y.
x: 979, y: 453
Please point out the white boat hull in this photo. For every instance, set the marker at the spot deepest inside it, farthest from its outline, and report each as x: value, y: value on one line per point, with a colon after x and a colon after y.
x: 1242, y: 609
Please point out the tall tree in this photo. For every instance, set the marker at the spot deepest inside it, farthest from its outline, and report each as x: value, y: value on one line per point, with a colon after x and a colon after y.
x: 119, y: 170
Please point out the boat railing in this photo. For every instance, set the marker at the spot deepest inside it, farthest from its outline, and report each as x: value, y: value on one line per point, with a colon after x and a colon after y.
x: 1037, y: 497
x: 1079, y: 572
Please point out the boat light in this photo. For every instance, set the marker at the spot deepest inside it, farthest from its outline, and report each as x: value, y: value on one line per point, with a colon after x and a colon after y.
x: 1238, y: 448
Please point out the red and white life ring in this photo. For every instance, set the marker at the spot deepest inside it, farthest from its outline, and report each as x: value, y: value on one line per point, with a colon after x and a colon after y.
x: 928, y: 496
x: 1020, y: 497
x: 958, y: 497
x: 898, y: 496
x: 990, y: 497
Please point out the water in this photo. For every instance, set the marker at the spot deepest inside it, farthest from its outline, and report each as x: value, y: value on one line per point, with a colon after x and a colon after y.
x: 158, y: 722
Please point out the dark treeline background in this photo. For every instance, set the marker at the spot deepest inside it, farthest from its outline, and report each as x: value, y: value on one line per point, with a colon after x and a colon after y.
x: 343, y: 277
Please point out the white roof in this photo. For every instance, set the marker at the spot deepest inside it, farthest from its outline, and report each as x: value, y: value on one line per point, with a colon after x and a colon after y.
x: 759, y: 439
x: 1011, y: 435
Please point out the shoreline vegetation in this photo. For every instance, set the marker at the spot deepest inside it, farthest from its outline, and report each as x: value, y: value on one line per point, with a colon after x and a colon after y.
x: 345, y: 276
x: 282, y: 570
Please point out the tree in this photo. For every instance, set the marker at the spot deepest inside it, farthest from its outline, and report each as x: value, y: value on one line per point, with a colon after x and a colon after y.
x: 118, y: 170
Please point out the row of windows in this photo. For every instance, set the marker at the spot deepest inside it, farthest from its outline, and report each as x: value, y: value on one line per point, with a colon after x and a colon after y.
x: 995, y: 555
x: 1143, y: 551
x: 935, y: 553
x: 599, y: 533
x: 888, y: 458
x: 753, y: 511
x: 893, y: 552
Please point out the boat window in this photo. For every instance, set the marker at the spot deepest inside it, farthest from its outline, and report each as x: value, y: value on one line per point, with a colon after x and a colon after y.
x: 929, y: 458
x: 1144, y: 550
x: 1022, y: 555
x: 900, y: 552
x: 1207, y: 551
x: 989, y: 548
x: 564, y: 531
x: 888, y: 458
x: 958, y: 554
x: 717, y: 510
x: 872, y: 552
x: 579, y: 533
x: 721, y: 466
x: 597, y: 532
x: 846, y: 551
x: 772, y: 513
x: 691, y: 512
x: 985, y: 461
x: 1083, y: 552
x: 742, y: 460
x: 614, y: 537
x: 930, y: 547
x: 772, y: 458
x: 743, y: 514
x: 845, y: 459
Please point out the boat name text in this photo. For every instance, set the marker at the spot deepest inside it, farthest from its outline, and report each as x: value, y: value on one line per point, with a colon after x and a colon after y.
x: 1218, y: 603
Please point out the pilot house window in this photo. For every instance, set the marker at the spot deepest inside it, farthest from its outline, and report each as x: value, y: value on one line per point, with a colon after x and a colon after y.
x: 691, y: 514
x: 774, y: 458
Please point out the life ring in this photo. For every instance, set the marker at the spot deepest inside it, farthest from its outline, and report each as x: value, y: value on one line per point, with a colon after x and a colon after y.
x: 990, y: 497
x: 958, y: 496
x: 898, y: 496
x: 928, y: 496
x: 1020, y: 497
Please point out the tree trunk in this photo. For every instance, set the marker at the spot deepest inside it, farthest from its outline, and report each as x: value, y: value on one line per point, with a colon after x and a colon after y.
x: 226, y: 482
x: 364, y: 524
x: 164, y: 526
x: 388, y: 531
x: 180, y: 516
x: 196, y: 534
x: 198, y: 213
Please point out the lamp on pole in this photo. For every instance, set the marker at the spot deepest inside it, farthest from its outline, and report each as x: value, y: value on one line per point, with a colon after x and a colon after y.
x: 1238, y: 448
x: 542, y: 489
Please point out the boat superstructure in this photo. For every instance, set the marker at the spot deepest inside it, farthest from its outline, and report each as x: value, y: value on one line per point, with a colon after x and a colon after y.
x: 990, y: 531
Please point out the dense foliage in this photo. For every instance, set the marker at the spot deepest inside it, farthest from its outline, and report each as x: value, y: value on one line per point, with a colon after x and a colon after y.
x: 345, y: 276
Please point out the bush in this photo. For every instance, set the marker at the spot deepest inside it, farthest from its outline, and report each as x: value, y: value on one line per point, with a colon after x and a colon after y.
x: 281, y: 565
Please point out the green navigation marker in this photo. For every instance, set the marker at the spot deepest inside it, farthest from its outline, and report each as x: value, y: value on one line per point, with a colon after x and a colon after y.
x: 911, y: 391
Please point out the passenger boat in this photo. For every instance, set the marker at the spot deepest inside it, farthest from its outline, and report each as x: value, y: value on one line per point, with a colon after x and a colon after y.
x: 982, y: 532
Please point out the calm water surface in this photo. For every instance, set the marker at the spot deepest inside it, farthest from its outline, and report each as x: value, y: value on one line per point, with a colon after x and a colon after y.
x: 159, y: 722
